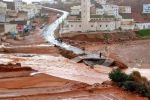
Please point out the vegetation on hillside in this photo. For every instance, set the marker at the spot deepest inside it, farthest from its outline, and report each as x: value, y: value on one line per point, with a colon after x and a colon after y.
x: 144, y: 32
x: 133, y: 82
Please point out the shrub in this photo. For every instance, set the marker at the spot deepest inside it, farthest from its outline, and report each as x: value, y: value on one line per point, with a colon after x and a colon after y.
x: 141, y: 89
x: 106, y: 37
x: 130, y: 85
x: 130, y: 78
x: 144, y: 81
x: 136, y: 73
x: 136, y: 76
x: 133, y: 82
x: 144, y: 32
x: 118, y: 76
x: 148, y: 94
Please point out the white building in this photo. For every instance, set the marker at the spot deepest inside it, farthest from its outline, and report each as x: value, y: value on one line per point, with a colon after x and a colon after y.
x: 87, y: 22
x: 18, y: 4
x: 75, y: 10
x: 32, y: 10
x: 3, y: 9
x: 103, y: 2
x: 100, y: 11
x: 111, y: 9
x: 107, y: 9
x: 127, y: 24
x: 143, y: 25
x: 85, y: 14
x: 8, y: 28
x: 107, y: 18
x: 146, y: 8
x: 124, y: 9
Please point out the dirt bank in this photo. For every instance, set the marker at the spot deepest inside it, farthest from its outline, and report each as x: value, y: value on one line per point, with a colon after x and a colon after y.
x: 31, y: 49
x: 112, y: 93
x: 111, y: 37
x: 133, y: 52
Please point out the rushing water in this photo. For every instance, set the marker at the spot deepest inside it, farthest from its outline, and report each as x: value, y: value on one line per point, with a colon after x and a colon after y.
x: 49, y: 33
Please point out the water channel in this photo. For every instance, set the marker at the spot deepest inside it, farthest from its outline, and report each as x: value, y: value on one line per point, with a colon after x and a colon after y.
x: 49, y: 33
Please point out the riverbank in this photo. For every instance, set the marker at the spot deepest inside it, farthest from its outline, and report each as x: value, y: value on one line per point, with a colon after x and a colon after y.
x: 131, y: 50
x: 62, y: 79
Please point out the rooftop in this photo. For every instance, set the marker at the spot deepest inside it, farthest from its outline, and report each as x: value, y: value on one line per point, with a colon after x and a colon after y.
x: 2, y: 4
x: 126, y: 15
x: 102, y: 16
x: 19, y: 22
x: 10, y: 5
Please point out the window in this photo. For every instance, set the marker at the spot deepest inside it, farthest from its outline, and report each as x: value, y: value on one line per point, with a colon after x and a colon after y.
x: 91, y: 25
x: 71, y: 25
x: 100, y: 25
x: 106, y: 25
x: 79, y: 25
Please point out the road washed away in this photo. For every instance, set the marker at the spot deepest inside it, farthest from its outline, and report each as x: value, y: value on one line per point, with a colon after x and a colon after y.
x: 49, y: 33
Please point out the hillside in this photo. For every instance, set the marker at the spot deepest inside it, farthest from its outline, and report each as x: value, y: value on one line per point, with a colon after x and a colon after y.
x: 137, y: 8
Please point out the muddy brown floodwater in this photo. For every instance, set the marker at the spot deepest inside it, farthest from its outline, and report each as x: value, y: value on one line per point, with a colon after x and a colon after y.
x: 62, y: 80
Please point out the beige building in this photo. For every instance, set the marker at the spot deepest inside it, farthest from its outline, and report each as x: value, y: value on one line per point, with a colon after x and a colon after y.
x: 142, y: 25
x: 124, y: 9
x: 103, y: 2
x: 85, y: 14
x: 7, y: 27
x: 127, y: 24
x: 75, y: 10
x: 31, y: 9
x: 3, y: 9
x: 108, y: 19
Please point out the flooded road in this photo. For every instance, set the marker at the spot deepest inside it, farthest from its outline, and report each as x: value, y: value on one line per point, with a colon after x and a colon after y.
x: 49, y: 33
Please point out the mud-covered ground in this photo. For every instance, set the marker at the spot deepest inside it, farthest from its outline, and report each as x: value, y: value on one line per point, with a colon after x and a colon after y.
x: 58, y: 78
x: 133, y: 52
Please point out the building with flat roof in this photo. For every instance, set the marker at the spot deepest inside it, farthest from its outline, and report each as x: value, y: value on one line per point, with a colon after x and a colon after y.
x: 3, y: 9
x: 107, y: 19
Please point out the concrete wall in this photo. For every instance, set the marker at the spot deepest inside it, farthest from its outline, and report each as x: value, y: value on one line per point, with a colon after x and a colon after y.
x: 10, y: 28
x: 99, y: 11
x: 101, y: 1
x: 111, y: 10
x: 85, y: 14
x: 93, y: 26
x: 74, y: 26
x: 124, y: 9
x: 75, y: 10
x: 127, y: 24
x: 103, y: 26
x: 2, y: 18
x: 142, y: 26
